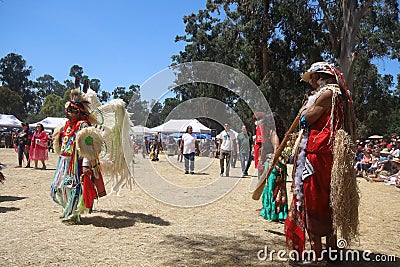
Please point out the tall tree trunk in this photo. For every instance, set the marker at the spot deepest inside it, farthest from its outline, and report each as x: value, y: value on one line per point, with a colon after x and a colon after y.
x: 265, y: 36
x: 351, y: 23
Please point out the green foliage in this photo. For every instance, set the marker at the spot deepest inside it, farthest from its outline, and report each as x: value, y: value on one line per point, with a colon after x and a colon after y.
x: 10, y: 102
x: 136, y: 107
x: 95, y: 85
x: 76, y: 71
x: 14, y: 75
x: 121, y: 93
x: 104, y: 96
x: 154, y: 118
x: 53, y: 106
x: 47, y: 85
x: 273, y: 42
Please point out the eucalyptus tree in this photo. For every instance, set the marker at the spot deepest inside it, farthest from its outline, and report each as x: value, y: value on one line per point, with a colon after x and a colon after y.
x: 10, y: 102
x: 273, y: 42
x: 54, y: 106
x: 14, y: 75
x: 137, y: 108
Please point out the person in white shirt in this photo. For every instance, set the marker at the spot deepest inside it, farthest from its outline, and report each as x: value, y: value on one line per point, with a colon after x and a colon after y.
x: 189, y: 147
x: 226, y: 146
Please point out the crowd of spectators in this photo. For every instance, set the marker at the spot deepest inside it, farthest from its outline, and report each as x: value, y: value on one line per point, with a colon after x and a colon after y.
x: 378, y: 160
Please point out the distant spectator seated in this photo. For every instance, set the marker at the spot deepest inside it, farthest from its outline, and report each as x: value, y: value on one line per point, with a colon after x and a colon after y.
x: 395, y: 152
x: 374, y: 164
x: 359, y: 157
x: 366, y: 160
x: 385, y: 161
x: 393, y: 179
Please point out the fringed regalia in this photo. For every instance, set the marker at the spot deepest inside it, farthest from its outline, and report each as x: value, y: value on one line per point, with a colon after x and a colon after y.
x: 274, y: 196
x: 71, y: 189
x: 99, y: 140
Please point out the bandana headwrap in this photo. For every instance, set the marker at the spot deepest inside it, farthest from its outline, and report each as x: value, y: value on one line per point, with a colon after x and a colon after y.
x: 328, y: 68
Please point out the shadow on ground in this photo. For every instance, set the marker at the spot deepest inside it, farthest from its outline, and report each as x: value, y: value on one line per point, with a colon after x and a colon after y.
x: 10, y: 198
x: 251, y: 250
x: 7, y: 209
x: 122, y: 219
x: 210, y: 250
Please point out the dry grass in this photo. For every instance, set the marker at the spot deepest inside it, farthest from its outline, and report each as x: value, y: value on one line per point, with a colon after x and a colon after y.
x: 136, y: 230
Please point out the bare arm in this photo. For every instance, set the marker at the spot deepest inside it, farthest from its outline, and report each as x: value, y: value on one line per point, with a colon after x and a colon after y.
x: 322, y: 105
x: 274, y: 140
x: 181, y: 145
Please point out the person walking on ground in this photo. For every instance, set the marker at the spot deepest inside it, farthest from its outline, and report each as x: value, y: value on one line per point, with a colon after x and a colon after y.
x: 50, y: 146
x: 244, y: 141
x: 226, y: 147
x: 156, y: 146
x: 38, y: 150
x: 189, y: 147
x: 23, y: 142
x: 144, y: 147
x: 180, y: 155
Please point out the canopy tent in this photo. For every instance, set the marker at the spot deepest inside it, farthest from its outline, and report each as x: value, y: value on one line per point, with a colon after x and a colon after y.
x: 161, y: 137
x: 179, y: 126
x: 375, y: 136
x: 9, y: 121
x: 142, y: 130
x: 50, y: 122
x: 198, y: 135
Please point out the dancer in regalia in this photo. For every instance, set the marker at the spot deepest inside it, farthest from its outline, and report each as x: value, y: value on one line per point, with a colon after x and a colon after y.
x: 78, y: 179
x: 315, y: 208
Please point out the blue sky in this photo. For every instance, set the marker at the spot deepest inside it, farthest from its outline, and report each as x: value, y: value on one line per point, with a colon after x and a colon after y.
x: 120, y: 42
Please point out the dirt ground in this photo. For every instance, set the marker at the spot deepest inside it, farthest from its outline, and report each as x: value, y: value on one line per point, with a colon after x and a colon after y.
x: 134, y: 229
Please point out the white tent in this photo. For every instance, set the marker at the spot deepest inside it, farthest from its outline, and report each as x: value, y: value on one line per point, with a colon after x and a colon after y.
x: 142, y: 130
x: 50, y: 122
x: 9, y: 121
x: 179, y: 126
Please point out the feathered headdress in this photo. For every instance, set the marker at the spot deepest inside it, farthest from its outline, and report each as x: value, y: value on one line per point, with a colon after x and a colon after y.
x: 82, y: 100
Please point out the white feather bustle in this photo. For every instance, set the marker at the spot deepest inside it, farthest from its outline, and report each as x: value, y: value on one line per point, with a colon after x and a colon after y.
x: 94, y: 101
x: 89, y: 143
x: 118, y: 161
x: 57, y: 140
